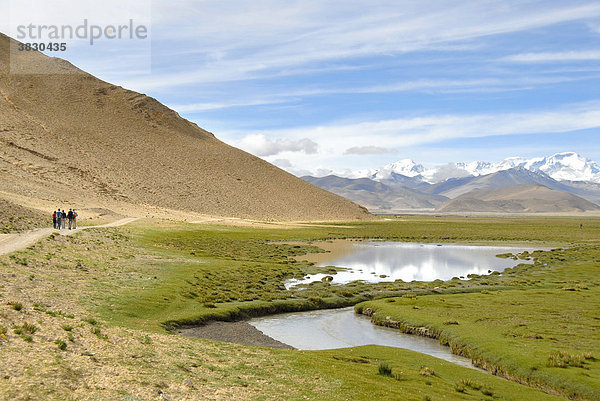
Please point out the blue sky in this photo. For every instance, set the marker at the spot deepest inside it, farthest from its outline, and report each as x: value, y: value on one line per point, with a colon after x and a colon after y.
x: 315, y: 86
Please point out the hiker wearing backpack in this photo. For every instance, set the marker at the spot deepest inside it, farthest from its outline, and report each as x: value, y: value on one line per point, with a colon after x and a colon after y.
x: 70, y: 218
x: 74, y: 219
x: 58, y: 219
x: 64, y: 219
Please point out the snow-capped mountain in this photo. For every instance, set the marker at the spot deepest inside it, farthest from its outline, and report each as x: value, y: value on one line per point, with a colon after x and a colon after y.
x: 567, y: 166
x: 402, y: 168
x: 478, y: 168
x: 405, y: 167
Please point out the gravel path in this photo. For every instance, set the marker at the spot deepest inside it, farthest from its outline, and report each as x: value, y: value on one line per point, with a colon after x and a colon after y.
x: 233, y: 332
x: 16, y: 242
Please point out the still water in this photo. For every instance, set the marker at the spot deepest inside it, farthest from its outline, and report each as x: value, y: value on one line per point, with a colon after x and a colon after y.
x: 389, y: 261
x: 341, y: 328
x: 380, y: 261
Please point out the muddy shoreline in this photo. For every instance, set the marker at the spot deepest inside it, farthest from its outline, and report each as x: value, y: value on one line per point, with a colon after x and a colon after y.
x: 232, y: 332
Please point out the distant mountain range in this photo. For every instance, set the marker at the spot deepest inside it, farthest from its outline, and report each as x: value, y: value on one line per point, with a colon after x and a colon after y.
x: 567, y: 166
x: 519, y: 199
x: 377, y: 196
x: 405, y: 185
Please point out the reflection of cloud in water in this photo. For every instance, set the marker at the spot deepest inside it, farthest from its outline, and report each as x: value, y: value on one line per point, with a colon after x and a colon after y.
x: 330, y: 329
x: 410, y: 261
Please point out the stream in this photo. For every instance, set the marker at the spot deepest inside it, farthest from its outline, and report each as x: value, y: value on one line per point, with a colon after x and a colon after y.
x: 373, y: 261
x: 342, y: 328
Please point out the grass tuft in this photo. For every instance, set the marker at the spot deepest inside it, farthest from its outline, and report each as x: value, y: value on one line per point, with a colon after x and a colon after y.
x: 16, y: 305
x: 426, y: 371
x: 487, y: 391
x: 471, y: 384
x: 561, y: 359
x: 61, y: 344
x: 385, y: 370
x: 26, y: 328
x: 98, y: 333
x: 26, y: 337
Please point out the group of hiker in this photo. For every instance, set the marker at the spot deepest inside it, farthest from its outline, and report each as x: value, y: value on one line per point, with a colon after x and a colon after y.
x: 60, y: 219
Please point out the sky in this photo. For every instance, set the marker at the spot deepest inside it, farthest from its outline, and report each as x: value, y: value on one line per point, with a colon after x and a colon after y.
x: 321, y: 86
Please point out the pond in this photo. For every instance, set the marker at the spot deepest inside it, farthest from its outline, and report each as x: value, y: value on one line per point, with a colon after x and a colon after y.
x: 341, y: 328
x: 377, y: 261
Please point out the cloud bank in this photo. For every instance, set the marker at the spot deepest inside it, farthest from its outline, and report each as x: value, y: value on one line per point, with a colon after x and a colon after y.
x: 261, y: 145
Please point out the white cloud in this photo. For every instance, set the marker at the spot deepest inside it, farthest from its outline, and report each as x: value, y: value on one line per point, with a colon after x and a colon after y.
x: 429, y: 129
x: 448, y: 171
x: 407, y: 133
x: 368, y: 150
x: 544, y: 57
x: 283, y: 163
x: 446, y: 86
x: 594, y: 27
x: 198, y: 107
x: 260, y: 145
x: 271, y: 37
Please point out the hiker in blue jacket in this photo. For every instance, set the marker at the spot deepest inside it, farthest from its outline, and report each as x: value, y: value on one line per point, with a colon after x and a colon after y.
x: 58, y: 219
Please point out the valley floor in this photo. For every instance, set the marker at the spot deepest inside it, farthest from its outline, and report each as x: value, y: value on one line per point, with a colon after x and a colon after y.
x: 85, y: 316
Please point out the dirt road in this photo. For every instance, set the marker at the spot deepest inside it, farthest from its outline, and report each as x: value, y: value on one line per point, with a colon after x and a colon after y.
x: 16, y: 242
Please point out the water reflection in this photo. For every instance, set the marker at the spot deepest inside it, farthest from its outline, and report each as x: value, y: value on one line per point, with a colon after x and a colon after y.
x: 390, y: 261
x: 329, y: 329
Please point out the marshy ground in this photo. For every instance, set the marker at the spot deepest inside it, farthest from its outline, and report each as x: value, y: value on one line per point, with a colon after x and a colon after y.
x: 86, y: 316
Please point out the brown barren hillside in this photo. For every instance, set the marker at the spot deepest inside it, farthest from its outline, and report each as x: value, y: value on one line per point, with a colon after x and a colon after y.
x: 519, y: 199
x: 67, y: 136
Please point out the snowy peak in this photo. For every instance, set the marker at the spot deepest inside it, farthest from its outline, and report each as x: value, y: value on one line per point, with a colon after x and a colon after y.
x: 478, y: 168
x: 405, y: 167
x: 567, y: 166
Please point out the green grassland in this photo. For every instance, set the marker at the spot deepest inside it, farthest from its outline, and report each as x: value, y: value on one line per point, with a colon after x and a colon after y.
x: 226, y: 273
x: 148, y: 277
x: 547, y: 338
